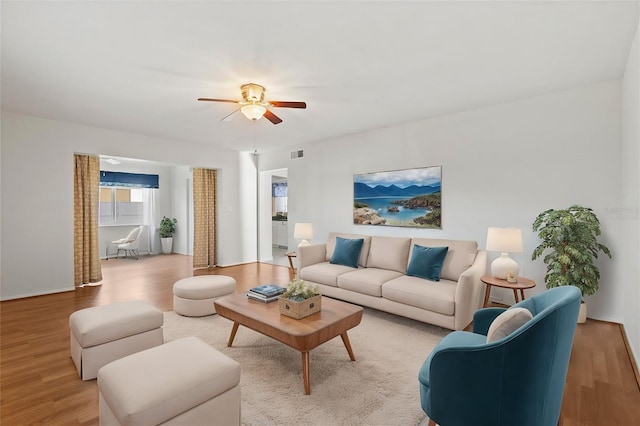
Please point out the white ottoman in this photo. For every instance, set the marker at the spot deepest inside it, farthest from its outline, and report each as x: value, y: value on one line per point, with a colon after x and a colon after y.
x: 194, y: 296
x: 103, y: 334
x: 183, y: 382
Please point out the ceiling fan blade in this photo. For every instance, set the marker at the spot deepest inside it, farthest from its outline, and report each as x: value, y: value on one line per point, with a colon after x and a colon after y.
x: 272, y: 117
x: 229, y: 117
x: 217, y: 100
x: 288, y: 104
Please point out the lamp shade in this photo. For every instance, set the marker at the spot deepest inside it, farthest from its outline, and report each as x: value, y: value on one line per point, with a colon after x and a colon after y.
x: 504, y: 240
x: 303, y: 231
x: 253, y: 111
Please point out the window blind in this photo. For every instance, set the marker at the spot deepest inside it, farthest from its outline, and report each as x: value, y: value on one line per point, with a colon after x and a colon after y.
x: 128, y: 180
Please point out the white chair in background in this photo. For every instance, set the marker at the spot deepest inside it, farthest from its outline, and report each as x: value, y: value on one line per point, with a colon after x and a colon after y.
x: 129, y: 244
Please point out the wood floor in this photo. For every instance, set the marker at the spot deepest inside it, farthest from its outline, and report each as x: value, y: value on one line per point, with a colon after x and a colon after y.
x: 39, y: 383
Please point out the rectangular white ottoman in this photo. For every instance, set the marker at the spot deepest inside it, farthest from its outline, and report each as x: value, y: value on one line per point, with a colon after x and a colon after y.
x: 103, y: 334
x: 183, y: 382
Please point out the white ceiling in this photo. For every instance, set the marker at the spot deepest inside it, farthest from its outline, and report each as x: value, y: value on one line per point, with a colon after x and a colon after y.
x: 139, y: 66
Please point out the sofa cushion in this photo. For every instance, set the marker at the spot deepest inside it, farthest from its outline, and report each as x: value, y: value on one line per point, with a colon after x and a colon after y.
x: 331, y: 245
x: 389, y: 253
x: 426, y: 262
x: 460, y: 256
x: 421, y: 293
x: 508, y: 322
x: 347, y: 252
x: 324, y: 273
x: 367, y: 280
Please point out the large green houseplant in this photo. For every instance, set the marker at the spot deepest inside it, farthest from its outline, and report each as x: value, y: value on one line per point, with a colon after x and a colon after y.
x: 167, y: 229
x: 569, y: 242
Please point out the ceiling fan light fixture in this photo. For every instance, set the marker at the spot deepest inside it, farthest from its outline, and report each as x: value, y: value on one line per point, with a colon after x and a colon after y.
x: 253, y: 111
x: 253, y: 105
x: 252, y: 92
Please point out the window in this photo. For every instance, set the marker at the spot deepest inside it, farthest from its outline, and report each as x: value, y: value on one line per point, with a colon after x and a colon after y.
x: 279, y: 189
x: 122, y: 206
x: 122, y: 197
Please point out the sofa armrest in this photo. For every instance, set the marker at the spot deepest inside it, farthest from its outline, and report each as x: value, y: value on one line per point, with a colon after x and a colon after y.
x: 469, y: 292
x: 311, y: 254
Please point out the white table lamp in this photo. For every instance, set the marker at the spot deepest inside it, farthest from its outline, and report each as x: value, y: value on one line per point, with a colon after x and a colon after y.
x: 303, y: 232
x: 505, y: 241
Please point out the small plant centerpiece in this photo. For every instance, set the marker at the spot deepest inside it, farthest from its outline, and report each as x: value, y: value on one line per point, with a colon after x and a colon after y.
x: 300, y: 300
x: 569, y: 238
x: 167, y: 229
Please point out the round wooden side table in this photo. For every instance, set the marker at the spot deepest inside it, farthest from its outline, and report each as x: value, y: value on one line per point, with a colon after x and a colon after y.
x: 291, y: 255
x: 521, y: 284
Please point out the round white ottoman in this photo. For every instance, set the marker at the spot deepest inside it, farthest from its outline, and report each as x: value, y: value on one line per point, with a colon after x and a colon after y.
x: 194, y: 296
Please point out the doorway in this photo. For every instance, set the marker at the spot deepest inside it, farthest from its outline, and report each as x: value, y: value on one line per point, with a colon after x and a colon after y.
x: 173, y: 198
x: 274, y: 217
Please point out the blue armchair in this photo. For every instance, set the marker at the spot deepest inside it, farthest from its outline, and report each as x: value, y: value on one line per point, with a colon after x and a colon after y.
x: 517, y: 380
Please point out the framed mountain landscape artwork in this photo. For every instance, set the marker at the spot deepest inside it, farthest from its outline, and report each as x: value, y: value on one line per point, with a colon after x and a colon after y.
x: 410, y: 197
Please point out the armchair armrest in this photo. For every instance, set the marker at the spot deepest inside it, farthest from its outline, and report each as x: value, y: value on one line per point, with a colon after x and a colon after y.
x: 455, y: 341
x: 463, y: 340
x: 311, y: 254
x: 461, y: 377
x: 483, y: 318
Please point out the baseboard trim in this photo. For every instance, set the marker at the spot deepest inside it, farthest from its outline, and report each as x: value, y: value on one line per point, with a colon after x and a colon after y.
x: 28, y: 295
x: 627, y: 345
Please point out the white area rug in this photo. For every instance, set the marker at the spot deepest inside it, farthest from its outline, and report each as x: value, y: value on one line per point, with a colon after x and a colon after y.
x: 379, y: 388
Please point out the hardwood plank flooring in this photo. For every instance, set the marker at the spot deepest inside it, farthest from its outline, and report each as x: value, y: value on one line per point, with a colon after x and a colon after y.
x: 39, y: 383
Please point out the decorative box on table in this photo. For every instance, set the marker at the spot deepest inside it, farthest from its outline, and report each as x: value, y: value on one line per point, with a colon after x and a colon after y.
x: 300, y: 309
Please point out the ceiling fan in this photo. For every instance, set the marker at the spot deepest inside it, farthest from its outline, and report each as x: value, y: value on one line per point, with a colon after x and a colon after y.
x: 253, y: 105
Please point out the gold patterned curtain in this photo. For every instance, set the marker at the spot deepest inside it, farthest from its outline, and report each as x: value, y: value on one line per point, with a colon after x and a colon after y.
x: 204, y: 218
x: 86, y: 187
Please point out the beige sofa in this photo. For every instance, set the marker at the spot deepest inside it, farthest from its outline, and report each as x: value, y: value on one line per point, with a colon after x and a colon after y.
x: 380, y: 281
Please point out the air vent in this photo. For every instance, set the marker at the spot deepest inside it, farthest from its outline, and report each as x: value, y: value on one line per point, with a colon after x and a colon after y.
x: 297, y: 154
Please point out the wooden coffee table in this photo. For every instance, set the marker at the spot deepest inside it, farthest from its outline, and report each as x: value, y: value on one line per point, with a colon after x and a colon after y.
x: 333, y: 320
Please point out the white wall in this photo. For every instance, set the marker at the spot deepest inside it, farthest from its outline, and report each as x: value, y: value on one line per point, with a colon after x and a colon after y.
x: 181, y: 180
x: 37, y: 171
x: 501, y: 166
x: 248, y: 205
x: 630, y: 207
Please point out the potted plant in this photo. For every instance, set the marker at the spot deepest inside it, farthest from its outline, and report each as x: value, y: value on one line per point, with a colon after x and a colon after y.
x: 569, y: 238
x: 300, y: 300
x: 167, y: 229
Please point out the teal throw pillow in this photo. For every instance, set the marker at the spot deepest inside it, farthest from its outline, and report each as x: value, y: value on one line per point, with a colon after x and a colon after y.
x: 426, y: 262
x: 347, y: 252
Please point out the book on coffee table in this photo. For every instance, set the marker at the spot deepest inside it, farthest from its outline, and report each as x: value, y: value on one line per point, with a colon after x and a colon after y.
x: 268, y: 290
x: 259, y: 298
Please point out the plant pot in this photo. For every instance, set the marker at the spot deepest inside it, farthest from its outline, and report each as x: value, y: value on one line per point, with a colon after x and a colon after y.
x: 582, y: 314
x: 167, y: 245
